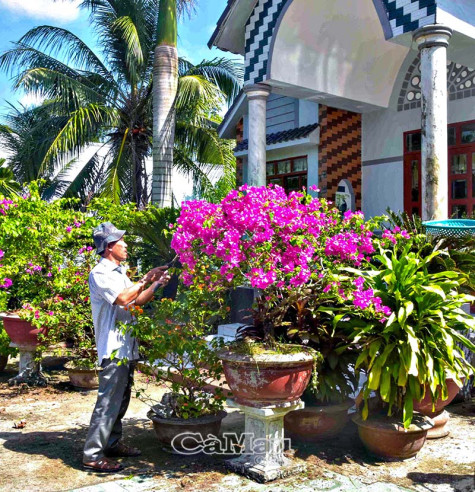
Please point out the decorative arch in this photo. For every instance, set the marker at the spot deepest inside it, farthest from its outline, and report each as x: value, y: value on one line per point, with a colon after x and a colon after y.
x: 396, y: 17
x: 460, y: 84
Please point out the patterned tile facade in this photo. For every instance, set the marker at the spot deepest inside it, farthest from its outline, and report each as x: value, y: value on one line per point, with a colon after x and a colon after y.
x: 403, y: 15
x: 259, y: 31
x: 409, y: 15
x: 339, y: 153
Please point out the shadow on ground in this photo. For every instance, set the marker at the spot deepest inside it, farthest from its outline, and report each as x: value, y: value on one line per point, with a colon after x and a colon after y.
x: 67, y: 446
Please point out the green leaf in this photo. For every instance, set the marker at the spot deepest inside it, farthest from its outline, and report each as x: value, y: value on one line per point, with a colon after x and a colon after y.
x: 408, y: 410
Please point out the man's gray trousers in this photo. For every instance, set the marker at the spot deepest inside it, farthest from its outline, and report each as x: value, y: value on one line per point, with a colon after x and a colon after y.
x: 105, y: 429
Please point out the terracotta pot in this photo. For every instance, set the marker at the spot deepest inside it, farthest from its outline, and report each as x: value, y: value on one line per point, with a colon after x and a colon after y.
x: 386, y: 437
x: 315, y: 423
x: 174, y: 433
x: 438, y: 415
x: 3, y: 362
x: 83, y: 377
x: 267, y: 378
x: 21, y: 332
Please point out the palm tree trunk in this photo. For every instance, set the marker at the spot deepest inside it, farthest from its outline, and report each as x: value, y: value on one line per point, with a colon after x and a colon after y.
x: 165, y: 83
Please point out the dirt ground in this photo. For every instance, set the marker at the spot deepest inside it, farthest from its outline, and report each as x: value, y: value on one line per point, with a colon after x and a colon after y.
x: 45, y: 455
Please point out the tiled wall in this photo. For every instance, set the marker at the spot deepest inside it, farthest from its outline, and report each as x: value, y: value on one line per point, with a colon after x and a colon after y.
x: 339, y: 154
x: 409, y: 15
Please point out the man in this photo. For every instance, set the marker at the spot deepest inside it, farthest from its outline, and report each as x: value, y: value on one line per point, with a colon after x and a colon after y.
x: 111, y: 292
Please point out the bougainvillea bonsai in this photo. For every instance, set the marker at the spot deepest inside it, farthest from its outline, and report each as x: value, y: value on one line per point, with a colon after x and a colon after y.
x: 290, y: 247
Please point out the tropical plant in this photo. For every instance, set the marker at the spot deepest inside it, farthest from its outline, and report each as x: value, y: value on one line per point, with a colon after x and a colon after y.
x: 415, y: 349
x: 8, y: 185
x: 172, y: 340
x: 106, y: 102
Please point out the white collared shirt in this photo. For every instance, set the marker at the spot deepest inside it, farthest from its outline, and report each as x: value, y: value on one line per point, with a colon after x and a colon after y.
x: 106, y: 281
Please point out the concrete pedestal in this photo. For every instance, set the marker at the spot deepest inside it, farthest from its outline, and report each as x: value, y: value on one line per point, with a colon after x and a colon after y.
x: 29, y: 371
x: 263, y: 459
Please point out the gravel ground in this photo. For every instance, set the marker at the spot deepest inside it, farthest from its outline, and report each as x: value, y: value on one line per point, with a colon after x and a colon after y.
x: 45, y: 455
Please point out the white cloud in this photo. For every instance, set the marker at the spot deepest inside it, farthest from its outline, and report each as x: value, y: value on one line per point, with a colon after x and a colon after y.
x: 60, y: 10
x: 30, y: 99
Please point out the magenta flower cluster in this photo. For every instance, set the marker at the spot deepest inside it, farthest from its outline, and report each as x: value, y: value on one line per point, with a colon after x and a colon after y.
x: 364, y: 299
x: 267, y: 238
x: 7, y: 283
x: 5, y: 206
x: 391, y: 235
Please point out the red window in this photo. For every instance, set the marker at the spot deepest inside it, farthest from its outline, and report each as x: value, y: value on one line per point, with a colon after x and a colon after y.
x: 290, y: 173
x: 461, y: 170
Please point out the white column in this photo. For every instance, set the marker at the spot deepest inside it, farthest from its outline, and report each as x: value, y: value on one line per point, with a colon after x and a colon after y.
x: 256, y: 163
x: 432, y: 42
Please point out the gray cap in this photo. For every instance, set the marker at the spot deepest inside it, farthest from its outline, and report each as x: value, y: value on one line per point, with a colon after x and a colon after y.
x: 104, y: 234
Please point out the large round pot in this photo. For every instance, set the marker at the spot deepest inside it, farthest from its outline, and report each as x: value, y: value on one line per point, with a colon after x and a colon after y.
x: 267, y: 378
x: 80, y: 377
x: 21, y: 332
x: 3, y: 362
x: 185, y: 436
x: 317, y: 422
x: 439, y: 416
x: 386, y: 437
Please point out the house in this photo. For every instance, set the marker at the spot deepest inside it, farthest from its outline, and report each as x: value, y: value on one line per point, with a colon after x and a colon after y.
x: 373, y: 101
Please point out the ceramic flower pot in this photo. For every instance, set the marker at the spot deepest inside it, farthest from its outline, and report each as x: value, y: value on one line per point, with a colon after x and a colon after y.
x: 317, y: 422
x: 183, y: 436
x: 386, y: 437
x: 267, y: 378
x: 438, y: 414
x: 21, y: 332
x: 3, y: 362
x: 84, y: 378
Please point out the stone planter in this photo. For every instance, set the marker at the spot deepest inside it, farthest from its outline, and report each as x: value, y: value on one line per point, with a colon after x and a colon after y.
x: 81, y: 377
x: 317, y: 422
x: 267, y: 378
x: 25, y: 337
x: 439, y: 416
x: 21, y: 332
x: 3, y: 362
x: 386, y: 437
x: 183, y: 436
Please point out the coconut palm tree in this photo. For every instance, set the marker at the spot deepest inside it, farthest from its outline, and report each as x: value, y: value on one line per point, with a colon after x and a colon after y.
x: 106, y: 100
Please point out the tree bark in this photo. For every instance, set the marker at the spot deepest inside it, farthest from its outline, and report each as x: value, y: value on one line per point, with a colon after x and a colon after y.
x: 165, y: 84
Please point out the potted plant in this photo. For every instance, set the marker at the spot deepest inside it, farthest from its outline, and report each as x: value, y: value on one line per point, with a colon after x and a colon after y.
x: 327, y: 403
x: 172, y: 343
x: 276, y: 243
x: 411, y: 350
x: 5, y: 349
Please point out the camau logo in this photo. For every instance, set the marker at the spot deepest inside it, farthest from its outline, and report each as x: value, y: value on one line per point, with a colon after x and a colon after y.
x: 190, y: 443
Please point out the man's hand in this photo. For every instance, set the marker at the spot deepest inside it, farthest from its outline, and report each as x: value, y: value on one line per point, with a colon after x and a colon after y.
x: 155, y: 274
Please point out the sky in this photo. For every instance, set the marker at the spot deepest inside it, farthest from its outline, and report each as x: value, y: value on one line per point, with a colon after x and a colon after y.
x: 18, y: 16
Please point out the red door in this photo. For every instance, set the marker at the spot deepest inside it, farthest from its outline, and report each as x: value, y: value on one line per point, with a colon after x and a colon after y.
x: 461, y: 181
x: 412, y: 183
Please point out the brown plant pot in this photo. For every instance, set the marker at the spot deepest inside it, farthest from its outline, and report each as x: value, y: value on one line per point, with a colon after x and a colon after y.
x: 3, y: 362
x: 21, y: 332
x: 266, y: 379
x: 472, y: 308
x: 316, y: 423
x: 386, y: 437
x: 182, y: 436
x: 438, y: 415
x: 83, y: 377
